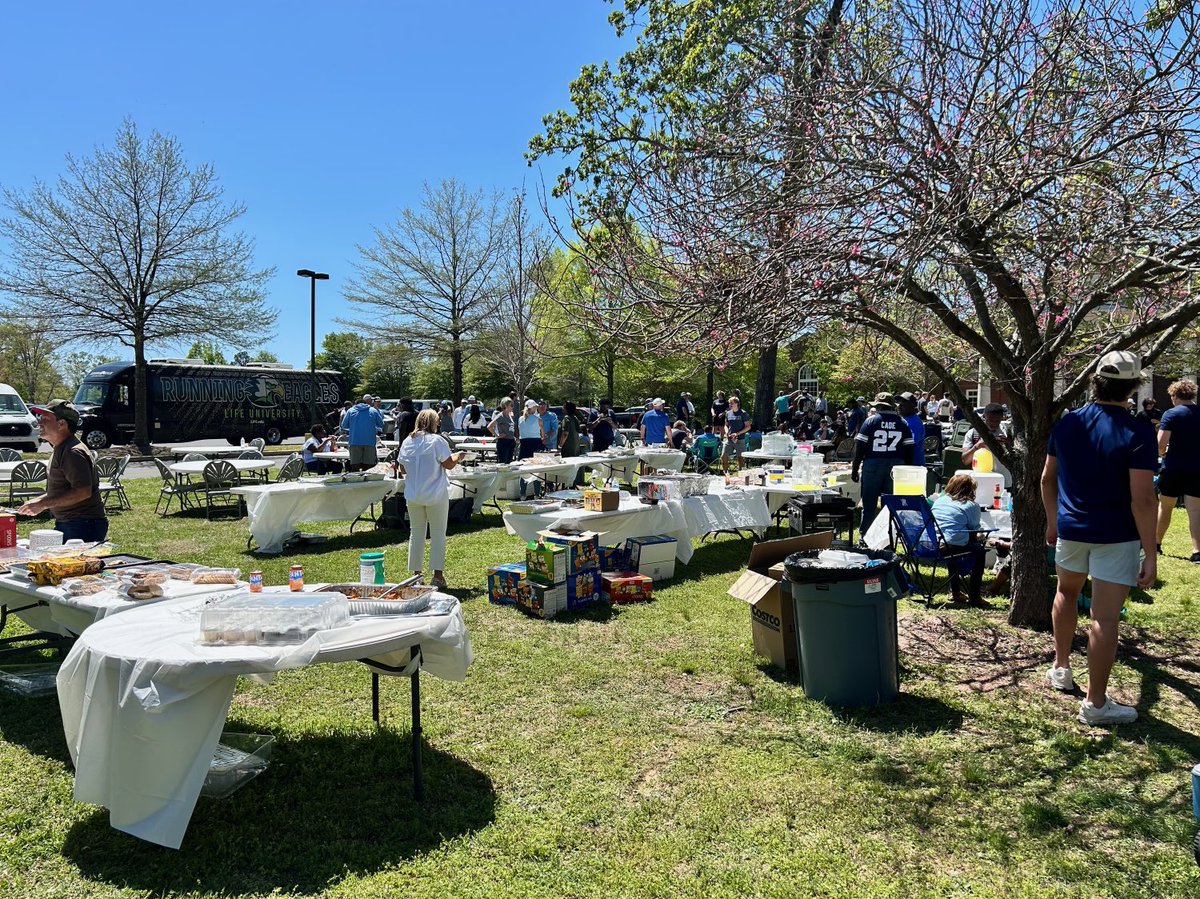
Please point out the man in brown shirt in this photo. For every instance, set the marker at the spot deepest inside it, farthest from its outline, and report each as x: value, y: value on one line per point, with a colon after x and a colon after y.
x: 72, y: 488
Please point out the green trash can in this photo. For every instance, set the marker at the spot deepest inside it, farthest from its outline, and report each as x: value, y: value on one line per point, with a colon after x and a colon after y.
x: 846, y: 633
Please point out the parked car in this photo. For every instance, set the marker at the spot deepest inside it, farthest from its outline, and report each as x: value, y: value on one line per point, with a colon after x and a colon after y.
x: 18, y: 426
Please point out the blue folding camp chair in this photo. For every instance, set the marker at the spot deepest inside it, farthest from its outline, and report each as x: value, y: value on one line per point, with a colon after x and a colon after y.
x: 918, y: 539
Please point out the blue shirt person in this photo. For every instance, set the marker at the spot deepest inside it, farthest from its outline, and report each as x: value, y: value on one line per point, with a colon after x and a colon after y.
x: 1179, y: 445
x: 655, y: 423
x: 883, y: 442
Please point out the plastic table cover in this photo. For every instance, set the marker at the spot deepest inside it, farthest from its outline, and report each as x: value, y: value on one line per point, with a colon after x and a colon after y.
x: 682, y: 519
x: 275, y: 509
x: 143, y: 704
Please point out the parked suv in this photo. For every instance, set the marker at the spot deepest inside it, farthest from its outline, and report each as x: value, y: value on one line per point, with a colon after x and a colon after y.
x: 18, y: 426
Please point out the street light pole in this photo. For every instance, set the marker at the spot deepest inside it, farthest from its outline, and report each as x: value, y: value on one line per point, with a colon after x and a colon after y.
x: 313, y: 278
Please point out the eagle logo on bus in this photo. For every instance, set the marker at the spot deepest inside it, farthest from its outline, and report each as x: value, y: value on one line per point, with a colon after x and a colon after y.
x: 269, y: 394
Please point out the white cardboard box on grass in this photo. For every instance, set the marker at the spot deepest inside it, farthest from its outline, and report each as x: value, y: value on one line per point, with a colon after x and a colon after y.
x: 652, y: 556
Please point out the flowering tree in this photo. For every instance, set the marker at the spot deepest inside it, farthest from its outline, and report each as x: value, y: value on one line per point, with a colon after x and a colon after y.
x: 1022, y: 174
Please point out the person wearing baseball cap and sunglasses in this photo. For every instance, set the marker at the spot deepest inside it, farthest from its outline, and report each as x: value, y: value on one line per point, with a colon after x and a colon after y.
x: 72, y: 487
x: 1098, y: 491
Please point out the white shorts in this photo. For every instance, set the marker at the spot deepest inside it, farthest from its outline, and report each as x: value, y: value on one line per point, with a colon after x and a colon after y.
x: 1117, y: 563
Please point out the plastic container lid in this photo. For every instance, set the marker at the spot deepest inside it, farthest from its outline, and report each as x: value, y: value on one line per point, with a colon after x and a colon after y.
x: 831, y: 565
x: 370, y: 557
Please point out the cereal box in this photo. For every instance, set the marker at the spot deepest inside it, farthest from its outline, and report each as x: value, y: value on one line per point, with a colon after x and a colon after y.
x: 601, y: 500
x: 546, y: 563
x: 507, y: 584
x: 627, y: 586
x: 613, y: 558
x: 583, y: 550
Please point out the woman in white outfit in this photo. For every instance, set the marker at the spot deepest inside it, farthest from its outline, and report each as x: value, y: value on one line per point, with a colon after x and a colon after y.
x: 426, y: 458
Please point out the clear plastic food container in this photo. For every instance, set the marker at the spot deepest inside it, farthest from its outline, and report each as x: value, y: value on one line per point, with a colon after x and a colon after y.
x: 241, y: 617
x: 216, y: 576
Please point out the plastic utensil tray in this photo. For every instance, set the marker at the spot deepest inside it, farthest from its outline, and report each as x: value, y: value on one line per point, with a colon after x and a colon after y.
x: 238, y: 759
x: 30, y: 680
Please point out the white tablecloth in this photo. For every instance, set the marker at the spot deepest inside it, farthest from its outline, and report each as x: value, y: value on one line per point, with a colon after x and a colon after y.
x: 619, y: 468
x: 212, y: 451
x: 275, y: 509
x: 143, y: 704
x: 662, y: 458
x: 877, y: 534
x: 683, y: 519
x: 64, y: 614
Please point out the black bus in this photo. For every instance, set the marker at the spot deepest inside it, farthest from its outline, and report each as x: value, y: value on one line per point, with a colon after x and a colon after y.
x: 193, y: 401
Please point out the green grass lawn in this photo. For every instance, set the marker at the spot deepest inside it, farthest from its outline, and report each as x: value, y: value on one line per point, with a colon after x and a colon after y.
x: 646, y: 751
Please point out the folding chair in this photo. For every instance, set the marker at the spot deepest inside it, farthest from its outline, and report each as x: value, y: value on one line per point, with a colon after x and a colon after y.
x: 8, y: 454
x: 291, y: 470
x: 705, y: 455
x: 258, y: 443
x: 922, y: 542
x: 220, y: 477
x: 28, y: 480
x: 108, y: 472
x: 171, y: 487
x: 845, y: 450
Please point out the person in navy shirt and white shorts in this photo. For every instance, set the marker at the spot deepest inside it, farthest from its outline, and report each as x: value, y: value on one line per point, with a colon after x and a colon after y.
x: 1179, y: 445
x: 1098, y: 491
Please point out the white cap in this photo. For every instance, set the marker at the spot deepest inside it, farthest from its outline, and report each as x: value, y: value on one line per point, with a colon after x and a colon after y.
x: 471, y: 398
x: 1120, y: 365
x: 531, y: 404
x: 658, y: 401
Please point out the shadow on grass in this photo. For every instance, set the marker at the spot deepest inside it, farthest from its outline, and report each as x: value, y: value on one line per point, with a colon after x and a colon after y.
x: 326, y: 807
x: 367, y: 536
x: 907, y: 713
x: 33, y: 722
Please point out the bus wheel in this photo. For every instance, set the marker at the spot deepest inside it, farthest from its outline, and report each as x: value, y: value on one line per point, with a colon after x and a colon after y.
x: 235, y: 441
x: 273, y: 435
x: 97, y: 438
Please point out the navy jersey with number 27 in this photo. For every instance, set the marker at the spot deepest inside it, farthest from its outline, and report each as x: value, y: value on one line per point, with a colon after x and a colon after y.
x: 887, y: 436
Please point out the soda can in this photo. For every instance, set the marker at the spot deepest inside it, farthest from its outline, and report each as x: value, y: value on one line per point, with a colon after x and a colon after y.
x: 256, y: 582
x: 296, y: 577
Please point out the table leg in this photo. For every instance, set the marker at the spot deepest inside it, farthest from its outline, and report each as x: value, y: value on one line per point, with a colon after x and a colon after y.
x: 415, y: 687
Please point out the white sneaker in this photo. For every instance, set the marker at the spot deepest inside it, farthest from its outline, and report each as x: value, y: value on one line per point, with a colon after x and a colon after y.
x: 1111, y: 712
x: 1061, y: 679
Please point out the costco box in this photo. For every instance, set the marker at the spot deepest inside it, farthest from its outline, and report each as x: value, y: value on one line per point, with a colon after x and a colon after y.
x: 507, y: 584
x: 626, y: 586
x: 652, y: 556
x: 577, y: 591
x: 763, y: 586
x: 546, y: 563
x: 583, y: 549
x: 601, y: 500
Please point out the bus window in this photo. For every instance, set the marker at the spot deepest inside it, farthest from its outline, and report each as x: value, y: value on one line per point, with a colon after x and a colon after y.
x: 91, y: 393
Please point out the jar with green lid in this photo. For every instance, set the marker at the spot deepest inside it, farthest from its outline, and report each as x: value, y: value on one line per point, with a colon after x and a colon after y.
x: 370, y: 568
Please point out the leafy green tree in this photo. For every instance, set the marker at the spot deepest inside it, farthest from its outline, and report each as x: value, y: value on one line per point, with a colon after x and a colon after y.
x: 387, y: 370
x: 26, y: 354
x: 344, y: 351
x: 76, y: 365
x: 207, y: 352
x: 136, y: 247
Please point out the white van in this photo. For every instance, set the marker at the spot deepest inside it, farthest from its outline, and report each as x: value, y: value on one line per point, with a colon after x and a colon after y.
x: 18, y: 426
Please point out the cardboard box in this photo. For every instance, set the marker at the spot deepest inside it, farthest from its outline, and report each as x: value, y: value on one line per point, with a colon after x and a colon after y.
x: 577, y: 591
x: 583, y: 550
x: 650, y: 549
x: 626, y: 586
x: 652, y: 556
x: 546, y: 563
x: 507, y: 584
x: 601, y: 500
x: 764, y: 588
x: 614, y: 558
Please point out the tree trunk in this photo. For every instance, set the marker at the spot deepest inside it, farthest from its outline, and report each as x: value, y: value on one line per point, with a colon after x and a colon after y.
x: 1031, y: 600
x: 708, y: 398
x: 456, y: 363
x: 764, y: 387
x: 610, y: 376
x: 141, y: 403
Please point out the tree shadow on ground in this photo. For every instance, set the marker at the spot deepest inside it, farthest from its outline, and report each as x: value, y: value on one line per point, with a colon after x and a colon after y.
x: 907, y: 713
x: 33, y: 722
x: 327, y: 807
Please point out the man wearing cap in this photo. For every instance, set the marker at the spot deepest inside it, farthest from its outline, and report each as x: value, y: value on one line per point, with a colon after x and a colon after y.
x: 1098, y: 492
x: 72, y: 487
x: 908, y: 406
x: 655, y: 423
x: 363, y: 424
x: 993, y: 417
x: 883, y: 442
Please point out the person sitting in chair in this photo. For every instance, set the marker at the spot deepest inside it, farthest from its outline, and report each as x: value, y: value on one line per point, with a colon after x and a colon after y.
x: 957, y: 515
x: 317, y: 443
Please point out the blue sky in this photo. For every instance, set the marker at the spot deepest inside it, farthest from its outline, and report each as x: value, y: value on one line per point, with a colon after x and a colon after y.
x: 322, y: 118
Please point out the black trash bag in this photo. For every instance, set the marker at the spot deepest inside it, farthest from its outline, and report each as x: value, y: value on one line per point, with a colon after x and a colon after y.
x: 826, y: 566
